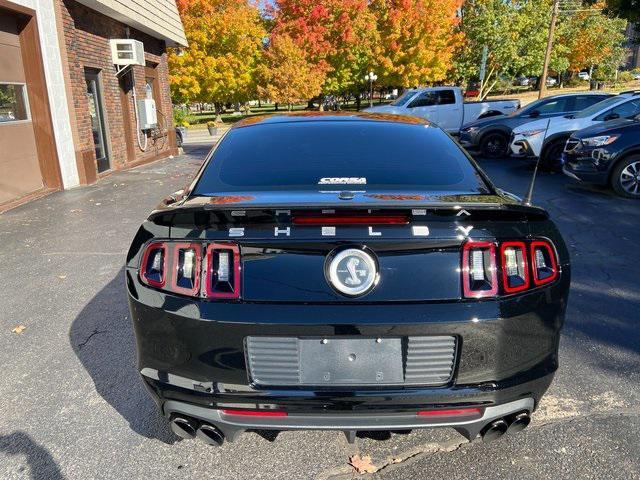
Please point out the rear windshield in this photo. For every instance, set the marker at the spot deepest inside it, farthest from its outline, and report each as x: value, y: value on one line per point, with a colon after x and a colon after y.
x: 325, y: 155
x: 598, y: 107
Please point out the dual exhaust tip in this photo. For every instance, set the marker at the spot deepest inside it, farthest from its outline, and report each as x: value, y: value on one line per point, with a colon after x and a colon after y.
x: 510, y: 424
x: 188, y: 429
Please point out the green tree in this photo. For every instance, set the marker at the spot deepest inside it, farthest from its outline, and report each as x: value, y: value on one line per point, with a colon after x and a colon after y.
x: 515, y: 34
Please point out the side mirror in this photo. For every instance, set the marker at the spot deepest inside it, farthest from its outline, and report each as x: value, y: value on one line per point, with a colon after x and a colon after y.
x: 611, y: 116
x: 534, y: 114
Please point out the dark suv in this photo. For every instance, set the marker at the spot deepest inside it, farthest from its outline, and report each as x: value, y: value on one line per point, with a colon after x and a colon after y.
x: 491, y: 135
x: 607, y: 154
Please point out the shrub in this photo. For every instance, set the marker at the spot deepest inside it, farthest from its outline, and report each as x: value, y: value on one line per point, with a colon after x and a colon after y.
x: 624, y: 77
x: 179, y: 117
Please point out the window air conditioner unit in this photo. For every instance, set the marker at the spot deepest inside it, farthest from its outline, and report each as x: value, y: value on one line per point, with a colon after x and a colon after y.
x: 127, y: 52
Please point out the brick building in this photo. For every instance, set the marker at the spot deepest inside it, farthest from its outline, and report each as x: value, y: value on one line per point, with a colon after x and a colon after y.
x: 68, y: 115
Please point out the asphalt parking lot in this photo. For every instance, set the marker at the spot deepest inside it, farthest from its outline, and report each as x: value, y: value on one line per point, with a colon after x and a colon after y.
x: 73, y: 406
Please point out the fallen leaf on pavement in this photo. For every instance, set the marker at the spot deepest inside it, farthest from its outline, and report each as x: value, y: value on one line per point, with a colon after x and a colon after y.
x: 62, y: 277
x: 19, y: 329
x: 362, y: 464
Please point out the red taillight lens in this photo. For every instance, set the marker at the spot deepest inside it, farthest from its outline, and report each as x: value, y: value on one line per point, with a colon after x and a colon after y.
x: 187, y: 259
x: 153, y: 269
x: 543, y: 262
x: 255, y: 413
x: 515, y: 266
x: 454, y: 412
x: 479, y: 276
x: 351, y: 220
x: 223, y: 271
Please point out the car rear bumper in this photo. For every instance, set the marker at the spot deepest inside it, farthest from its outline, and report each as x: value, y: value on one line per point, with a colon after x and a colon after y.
x: 231, y: 425
x: 192, y: 356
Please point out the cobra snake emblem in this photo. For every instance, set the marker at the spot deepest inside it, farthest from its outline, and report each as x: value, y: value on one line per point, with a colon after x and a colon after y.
x: 352, y: 265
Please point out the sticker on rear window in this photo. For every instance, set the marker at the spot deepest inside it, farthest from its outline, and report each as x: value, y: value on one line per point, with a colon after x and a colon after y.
x: 342, y: 181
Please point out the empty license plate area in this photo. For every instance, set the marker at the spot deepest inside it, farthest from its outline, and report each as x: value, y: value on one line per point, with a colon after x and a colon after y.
x: 350, y: 361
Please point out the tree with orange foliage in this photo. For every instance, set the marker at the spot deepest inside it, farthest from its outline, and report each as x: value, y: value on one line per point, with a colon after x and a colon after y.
x: 286, y: 76
x: 339, y: 38
x: 595, y: 40
x: 225, y: 46
x: 418, y: 40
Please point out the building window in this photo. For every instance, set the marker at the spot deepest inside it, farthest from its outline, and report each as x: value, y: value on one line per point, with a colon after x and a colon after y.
x: 13, y: 102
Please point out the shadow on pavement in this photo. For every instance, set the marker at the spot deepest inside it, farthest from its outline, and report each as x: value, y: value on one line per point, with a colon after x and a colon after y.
x: 102, y: 339
x: 41, y: 463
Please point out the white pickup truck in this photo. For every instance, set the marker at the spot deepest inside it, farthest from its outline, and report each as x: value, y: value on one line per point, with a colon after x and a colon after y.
x: 445, y: 106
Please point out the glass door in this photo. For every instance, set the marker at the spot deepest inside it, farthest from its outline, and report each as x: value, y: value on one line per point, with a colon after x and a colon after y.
x: 94, y: 99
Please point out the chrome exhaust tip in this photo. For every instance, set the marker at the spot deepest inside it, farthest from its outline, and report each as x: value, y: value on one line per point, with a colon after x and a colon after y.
x: 183, y: 427
x: 518, y: 422
x: 210, y: 435
x: 494, y: 430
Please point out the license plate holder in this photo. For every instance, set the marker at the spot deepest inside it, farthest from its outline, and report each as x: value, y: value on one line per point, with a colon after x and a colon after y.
x: 351, y: 361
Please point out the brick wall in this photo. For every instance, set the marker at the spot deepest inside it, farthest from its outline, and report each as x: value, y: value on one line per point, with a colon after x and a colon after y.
x: 87, y: 34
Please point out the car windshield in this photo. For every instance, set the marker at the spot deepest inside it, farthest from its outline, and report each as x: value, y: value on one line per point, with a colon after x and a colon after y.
x: 598, y: 107
x: 299, y: 155
x: 404, y: 98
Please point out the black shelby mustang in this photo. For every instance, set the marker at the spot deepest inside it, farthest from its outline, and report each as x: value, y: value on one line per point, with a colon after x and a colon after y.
x: 345, y: 272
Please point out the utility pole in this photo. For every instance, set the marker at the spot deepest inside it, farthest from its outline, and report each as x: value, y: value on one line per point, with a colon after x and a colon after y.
x: 547, y: 56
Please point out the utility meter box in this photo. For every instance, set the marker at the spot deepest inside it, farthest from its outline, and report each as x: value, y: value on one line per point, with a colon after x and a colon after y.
x: 127, y: 52
x: 147, y: 114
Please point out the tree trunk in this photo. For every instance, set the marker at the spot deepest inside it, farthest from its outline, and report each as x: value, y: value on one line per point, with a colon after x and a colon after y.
x: 358, y: 100
x: 276, y: 106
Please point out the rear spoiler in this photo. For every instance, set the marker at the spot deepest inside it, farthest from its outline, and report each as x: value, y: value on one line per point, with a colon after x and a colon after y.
x: 483, y: 207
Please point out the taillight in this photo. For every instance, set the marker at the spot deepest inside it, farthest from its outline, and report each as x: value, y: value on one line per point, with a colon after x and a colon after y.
x: 195, y: 269
x: 186, y: 268
x: 223, y: 271
x: 479, y: 276
x: 524, y: 265
x: 153, y: 269
x: 543, y: 262
x: 515, y: 266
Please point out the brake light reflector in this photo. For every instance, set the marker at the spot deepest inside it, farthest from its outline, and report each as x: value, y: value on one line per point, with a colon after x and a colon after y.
x: 186, y: 268
x: 153, y: 269
x: 515, y: 267
x: 255, y: 413
x: 454, y: 412
x: 545, y: 265
x: 479, y: 276
x: 223, y: 271
x: 327, y: 220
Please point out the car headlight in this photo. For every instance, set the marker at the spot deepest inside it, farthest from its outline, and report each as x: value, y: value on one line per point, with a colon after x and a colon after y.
x: 470, y: 129
x: 532, y: 133
x: 599, y: 141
